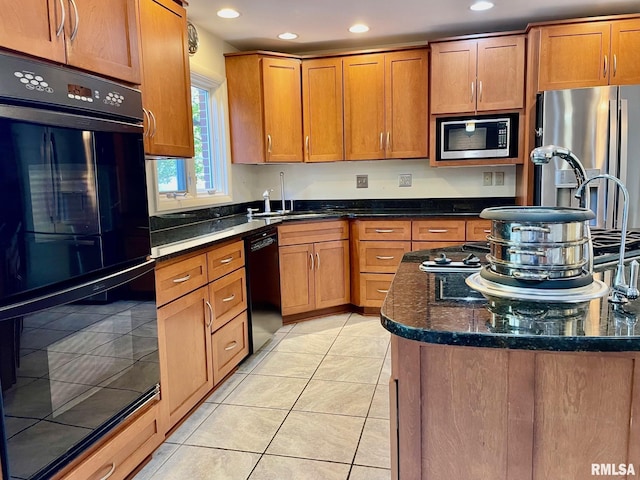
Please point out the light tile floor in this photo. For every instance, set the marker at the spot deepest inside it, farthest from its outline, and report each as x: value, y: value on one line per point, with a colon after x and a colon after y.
x: 313, y: 404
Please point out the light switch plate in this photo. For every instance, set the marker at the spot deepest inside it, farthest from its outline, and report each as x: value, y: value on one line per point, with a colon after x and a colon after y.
x: 499, y: 176
x: 362, y: 181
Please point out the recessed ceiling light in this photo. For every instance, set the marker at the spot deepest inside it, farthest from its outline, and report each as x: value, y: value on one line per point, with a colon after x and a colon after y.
x: 228, y: 13
x: 481, y: 5
x: 288, y: 36
x: 358, y: 28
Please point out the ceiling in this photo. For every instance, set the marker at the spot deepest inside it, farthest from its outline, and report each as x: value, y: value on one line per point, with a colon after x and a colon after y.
x: 323, y: 24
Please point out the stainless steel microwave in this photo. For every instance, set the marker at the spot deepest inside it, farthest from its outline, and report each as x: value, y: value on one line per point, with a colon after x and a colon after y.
x: 477, y: 137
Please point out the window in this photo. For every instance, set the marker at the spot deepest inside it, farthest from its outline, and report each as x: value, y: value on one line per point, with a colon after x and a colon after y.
x: 186, y: 183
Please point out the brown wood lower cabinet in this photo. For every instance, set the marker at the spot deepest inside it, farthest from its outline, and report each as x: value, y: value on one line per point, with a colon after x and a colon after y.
x: 121, y: 455
x: 480, y: 413
x: 184, y: 344
x: 230, y: 345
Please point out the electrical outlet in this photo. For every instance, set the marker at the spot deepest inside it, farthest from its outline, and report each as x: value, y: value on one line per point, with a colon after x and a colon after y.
x: 499, y: 178
x: 362, y: 181
x: 404, y: 180
x: 487, y: 178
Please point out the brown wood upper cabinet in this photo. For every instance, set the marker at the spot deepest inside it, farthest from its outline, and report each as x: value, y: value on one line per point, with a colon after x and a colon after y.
x: 94, y: 35
x: 477, y: 75
x: 166, y: 87
x: 589, y: 55
x: 265, y: 108
x: 322, y: 109
x: 386, y: 105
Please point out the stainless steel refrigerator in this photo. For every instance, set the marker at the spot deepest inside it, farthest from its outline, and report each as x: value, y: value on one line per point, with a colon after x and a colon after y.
x: 601, y: 126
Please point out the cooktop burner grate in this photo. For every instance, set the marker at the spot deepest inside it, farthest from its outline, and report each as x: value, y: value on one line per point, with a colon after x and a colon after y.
x: 608, y: 241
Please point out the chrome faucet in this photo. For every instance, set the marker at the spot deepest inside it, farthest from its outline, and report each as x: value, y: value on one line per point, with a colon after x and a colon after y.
x: 284, y: 207
x: 542, y: 155
x: 620, y: 292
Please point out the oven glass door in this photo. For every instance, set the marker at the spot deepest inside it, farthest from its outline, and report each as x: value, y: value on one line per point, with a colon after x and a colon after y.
x: 72, y: 199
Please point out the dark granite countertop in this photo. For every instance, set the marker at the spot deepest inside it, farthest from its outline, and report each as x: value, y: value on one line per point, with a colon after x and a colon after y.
x: 440, y: 308
x: 177, y: 234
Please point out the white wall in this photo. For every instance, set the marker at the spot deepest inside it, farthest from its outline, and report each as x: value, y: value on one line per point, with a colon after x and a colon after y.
x: 337, y: 180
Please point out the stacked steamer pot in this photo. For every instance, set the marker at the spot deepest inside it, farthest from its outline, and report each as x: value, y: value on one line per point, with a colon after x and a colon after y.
x: 539, y: 247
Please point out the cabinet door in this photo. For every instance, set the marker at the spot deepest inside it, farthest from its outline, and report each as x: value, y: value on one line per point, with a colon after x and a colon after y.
x: 332, y: 273
x: 364, y: 129
x: 297, y: 265
x: 103, y: 37
x: 500, y: 83
x: 453, y: 76
x: 322, y: 109
x: 34, y: 27
x: 166, y: 87
x: 574, y: 56
x: 625, y: 45
x: 406, y: 104
x: 184, y: 344
x: 282, y: 109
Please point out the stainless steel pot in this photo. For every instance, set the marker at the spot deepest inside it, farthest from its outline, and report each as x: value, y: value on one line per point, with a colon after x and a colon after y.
x: 539, y: 243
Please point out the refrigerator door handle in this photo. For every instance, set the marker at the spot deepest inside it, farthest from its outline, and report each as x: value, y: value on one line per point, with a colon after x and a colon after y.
x: 624, y: 153
x: 611, y: 193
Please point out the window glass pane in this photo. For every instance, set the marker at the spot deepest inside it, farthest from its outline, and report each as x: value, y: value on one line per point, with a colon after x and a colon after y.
x: 202, y: 139
x: 172, y: 176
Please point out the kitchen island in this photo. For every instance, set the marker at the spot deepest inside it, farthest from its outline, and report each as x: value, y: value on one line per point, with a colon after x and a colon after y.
x: 506, y: 389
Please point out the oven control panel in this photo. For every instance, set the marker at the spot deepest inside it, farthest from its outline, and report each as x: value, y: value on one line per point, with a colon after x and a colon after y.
x: 35, y: 82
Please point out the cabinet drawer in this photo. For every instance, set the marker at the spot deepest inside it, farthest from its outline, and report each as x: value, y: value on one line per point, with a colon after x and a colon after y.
x: 225, y: 259
x: 228, y: 296
x: 384, y: 229
x: 477, y: 230
x: 382, y: 257
x: 428, y: 230
x: 374, y: 288
x: 124, y: 452
x: 180, y: 277
x: 432, y: 245
x: 299, y: 233
x: 230, y: 346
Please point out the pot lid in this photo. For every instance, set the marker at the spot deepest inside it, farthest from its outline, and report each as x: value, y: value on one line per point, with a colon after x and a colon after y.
x: 538, y: 214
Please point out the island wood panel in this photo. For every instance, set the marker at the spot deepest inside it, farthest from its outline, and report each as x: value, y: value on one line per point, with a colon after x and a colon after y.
x: 404, y: 392
x: 466, y: 393
x: 513, y: 414
x: 580, y: 400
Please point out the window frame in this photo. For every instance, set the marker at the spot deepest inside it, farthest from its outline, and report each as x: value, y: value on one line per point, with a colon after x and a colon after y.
x: 219, y: 151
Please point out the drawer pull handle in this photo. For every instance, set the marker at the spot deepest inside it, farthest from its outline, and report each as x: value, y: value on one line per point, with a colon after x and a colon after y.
x: 228, y: 299
x: 487, y: 231
x: 227, y: 260
x: 382, y: 291
x: 389, y: 230
x: 231, y: 346
x: 438, y: 230
x: 110, y: 472
x: 380, y: 257
x: 182, y: 279
x: 210, y: 322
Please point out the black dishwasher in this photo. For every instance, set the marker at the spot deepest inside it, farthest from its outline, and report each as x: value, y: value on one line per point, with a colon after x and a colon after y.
x: 263, y: 282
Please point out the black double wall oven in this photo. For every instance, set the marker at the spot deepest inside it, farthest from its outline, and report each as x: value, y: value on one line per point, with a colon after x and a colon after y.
x: 78, y: 336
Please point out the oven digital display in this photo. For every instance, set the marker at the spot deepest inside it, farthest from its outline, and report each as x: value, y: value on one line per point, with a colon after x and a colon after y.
x: 79, y: 90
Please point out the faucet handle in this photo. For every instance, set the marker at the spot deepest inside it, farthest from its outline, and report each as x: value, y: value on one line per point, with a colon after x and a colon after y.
x: 633, y: 292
